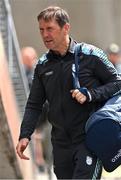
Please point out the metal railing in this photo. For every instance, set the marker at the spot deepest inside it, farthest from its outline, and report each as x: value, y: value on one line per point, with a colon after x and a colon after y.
x: 12, y: 51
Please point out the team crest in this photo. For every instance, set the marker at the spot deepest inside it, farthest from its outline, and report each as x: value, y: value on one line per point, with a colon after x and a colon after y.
x: 89, y: 160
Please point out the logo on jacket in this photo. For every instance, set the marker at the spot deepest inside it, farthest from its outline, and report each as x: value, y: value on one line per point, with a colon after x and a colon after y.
x: 49, y: 73
x: 89, y: 160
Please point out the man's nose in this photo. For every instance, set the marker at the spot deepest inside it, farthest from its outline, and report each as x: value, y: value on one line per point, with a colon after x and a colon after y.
x: 45, y: 34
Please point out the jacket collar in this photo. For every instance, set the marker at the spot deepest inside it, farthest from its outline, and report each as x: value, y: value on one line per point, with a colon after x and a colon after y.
x: 72, y: 46
x: 70, y: 49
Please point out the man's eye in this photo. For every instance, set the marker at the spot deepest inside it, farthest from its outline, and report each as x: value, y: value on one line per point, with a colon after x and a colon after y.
x: 49, y: 29
x: 41, y: 30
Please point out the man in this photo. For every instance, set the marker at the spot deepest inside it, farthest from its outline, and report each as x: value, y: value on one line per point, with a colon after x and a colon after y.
x: 69, y: 109
x: 29, y: 58
x: 114, y: 55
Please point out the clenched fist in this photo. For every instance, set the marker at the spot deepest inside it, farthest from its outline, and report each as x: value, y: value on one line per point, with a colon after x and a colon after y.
x: 80, y: 97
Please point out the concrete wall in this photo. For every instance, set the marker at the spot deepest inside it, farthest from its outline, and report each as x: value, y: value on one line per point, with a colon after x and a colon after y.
x: 92, y: 21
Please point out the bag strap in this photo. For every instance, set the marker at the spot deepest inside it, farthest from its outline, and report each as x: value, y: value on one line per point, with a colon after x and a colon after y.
x: 75, y: 70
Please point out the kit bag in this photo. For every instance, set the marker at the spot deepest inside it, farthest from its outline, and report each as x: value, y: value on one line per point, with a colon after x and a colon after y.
x: 103, y: 128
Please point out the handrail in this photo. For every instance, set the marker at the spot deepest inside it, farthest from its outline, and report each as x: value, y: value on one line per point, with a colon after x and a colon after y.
x: 12, y: 36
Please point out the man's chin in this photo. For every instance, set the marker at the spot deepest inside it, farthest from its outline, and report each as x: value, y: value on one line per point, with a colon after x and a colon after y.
x: 49, y: 46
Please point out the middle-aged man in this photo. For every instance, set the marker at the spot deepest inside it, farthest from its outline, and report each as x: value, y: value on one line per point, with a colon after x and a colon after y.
x: 69, y: 109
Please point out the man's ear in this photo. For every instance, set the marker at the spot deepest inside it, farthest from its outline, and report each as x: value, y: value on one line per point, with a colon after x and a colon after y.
x: 67, y: 28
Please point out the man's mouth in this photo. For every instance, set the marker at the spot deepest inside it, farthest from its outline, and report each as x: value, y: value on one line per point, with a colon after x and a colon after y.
x: 48, y: 41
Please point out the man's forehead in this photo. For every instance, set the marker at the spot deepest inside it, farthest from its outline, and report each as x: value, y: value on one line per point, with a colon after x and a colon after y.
x: 49, y: 21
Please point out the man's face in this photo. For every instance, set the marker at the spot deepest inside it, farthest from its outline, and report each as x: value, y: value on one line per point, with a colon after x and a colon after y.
x: 52, y: 34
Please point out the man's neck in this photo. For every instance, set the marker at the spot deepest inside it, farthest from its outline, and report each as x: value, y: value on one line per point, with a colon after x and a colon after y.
x: 65, y: 47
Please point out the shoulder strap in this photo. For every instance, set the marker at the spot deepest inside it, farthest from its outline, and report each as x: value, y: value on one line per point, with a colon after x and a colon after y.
x: 75, y: 70
x: 77, y: 52
x: 75, y: 67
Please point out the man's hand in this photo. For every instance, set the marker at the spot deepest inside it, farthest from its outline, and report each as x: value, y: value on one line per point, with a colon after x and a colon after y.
x: 21, y: 146
x: 81, y: 98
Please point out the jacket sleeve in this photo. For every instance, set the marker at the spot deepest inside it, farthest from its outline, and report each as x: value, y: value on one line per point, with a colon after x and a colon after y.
x: 33, y: 107
x: 111, y: 82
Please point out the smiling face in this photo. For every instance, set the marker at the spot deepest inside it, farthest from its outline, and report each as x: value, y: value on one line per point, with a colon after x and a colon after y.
x: 54, y: 36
